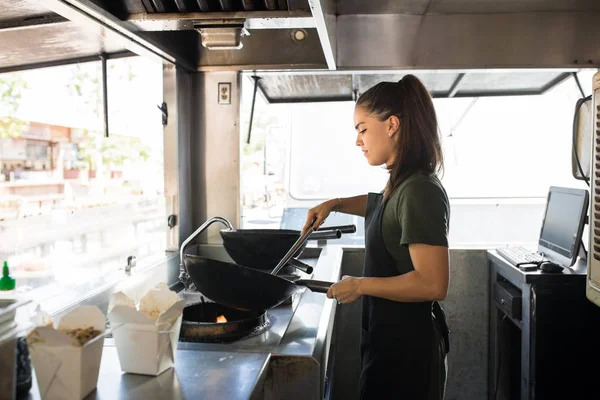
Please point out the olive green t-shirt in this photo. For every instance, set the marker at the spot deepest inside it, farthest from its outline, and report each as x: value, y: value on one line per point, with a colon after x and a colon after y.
x: 418, y: 211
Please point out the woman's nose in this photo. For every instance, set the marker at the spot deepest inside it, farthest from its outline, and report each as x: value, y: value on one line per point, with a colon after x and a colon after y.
x: 358, y: 140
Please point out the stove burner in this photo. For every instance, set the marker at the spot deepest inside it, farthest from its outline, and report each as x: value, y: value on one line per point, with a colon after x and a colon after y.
x: 199, y: 323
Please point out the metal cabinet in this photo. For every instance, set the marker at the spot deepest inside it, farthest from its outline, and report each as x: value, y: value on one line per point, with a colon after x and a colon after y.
x: 542, y: 329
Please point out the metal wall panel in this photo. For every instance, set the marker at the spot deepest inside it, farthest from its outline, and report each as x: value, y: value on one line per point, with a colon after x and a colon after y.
x: 215, y: 153
x: 419, y: 7
x: 538, y: 40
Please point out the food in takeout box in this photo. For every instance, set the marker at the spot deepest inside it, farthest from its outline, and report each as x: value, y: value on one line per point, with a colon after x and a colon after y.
x: 146, y: 335
x: 81, y: 336
x: 66, y: 358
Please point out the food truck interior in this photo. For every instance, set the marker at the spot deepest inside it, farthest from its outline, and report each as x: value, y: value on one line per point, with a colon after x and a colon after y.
x: 133, y: 133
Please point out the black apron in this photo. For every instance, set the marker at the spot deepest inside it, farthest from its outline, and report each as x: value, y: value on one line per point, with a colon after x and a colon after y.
x: 396, y: 338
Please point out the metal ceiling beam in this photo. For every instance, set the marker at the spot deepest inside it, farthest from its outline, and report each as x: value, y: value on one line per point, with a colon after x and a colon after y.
x: 260, y: 67
x: 491, y: 93
x: 328, y: 99
x: 357, y: 72
x: 323, y: 11
x: 89, y: 15
x: 32, y: 22
x: 435, y: 95
x: 57, y: 63
x: 557, y: 81
x: 253, y: 20
x: 311, y: 88
x: 456, y: 85
x: 413, y: 71
x: 261, y: 90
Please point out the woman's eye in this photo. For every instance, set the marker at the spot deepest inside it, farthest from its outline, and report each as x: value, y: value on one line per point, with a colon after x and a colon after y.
x: 363, y: 131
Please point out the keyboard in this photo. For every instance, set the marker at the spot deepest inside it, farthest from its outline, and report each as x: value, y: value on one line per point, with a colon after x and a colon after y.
x: 520, y: 255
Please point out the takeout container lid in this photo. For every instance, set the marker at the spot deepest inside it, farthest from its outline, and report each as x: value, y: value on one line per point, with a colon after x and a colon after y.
x: 144, y: 345
x: 65, y: 371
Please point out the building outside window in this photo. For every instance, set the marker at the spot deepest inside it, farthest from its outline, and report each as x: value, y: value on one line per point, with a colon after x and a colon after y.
x: 75, y: 204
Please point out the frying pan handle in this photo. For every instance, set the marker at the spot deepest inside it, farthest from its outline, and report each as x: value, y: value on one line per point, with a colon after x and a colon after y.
x: 341, y: 228
x: 315, y: 286
x: 307, y: 269
x: 325, y: 235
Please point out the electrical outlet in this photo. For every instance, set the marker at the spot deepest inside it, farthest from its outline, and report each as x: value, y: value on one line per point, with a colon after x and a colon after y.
x: 224, y: 93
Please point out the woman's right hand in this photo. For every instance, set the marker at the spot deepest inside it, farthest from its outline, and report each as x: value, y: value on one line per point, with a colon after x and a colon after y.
x: 317, y: 215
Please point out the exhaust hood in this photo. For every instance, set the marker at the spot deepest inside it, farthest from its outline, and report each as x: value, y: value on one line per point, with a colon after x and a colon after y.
x: 541, y: 40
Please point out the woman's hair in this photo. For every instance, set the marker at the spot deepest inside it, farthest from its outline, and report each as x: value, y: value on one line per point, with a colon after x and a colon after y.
x: 418, y: 147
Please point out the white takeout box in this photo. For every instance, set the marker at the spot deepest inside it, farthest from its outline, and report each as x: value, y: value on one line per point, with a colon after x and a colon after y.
x: 65, y: 371
x: 144, y: 345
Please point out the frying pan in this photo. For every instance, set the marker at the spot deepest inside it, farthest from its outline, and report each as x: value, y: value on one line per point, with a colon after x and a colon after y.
x: 264, y: 248
x: 244, y: 288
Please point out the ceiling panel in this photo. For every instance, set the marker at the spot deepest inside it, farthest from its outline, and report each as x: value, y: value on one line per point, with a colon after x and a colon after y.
x: 50, y: 43
x: 16, y: 9
x: 299, y: 88
x: 436, y: 82
x: 516, y: 81
x: 462, y: 6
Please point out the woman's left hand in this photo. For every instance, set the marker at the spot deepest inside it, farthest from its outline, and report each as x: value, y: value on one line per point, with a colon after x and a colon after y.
x: 345, y: 291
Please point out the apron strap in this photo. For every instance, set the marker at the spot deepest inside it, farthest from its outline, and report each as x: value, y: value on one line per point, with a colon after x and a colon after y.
x: 439, y: 316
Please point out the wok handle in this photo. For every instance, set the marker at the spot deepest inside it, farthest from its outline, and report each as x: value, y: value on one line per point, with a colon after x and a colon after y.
x: 325, y: 235
x: 315, y: 286
x: 307, y: 269
x: 341, y: 228
x: 295, y: 247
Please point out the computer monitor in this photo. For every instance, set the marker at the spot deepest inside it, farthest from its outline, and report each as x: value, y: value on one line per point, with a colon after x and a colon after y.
x: 563, y: 223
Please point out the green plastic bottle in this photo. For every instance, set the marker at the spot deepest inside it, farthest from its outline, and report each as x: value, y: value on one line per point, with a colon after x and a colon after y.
x: 7, y: 282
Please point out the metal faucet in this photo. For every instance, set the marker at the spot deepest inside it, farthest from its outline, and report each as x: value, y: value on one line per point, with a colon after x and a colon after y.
x: 131, y: 262
x: 184, y: 277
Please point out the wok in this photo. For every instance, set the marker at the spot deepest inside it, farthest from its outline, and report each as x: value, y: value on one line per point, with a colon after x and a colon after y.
x: 241, y: 287
x: 264, y: 248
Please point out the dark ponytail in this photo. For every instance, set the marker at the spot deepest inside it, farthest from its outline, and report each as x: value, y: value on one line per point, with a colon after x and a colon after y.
x: 418, y: 147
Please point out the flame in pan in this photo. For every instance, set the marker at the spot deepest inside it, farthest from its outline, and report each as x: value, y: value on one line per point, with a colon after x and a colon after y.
x: 221, y: 319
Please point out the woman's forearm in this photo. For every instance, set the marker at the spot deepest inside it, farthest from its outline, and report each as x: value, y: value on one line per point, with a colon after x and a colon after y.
x: 409, y: 287
x: 356, y: 205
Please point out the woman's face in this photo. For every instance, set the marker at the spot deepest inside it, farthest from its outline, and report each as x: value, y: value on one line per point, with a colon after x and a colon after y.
x: 376, y: 138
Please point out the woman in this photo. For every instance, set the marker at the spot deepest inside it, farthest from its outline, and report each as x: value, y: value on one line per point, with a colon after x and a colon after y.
x: 406, y: 269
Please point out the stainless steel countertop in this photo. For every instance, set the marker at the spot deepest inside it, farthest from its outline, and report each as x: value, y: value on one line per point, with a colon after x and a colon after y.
x: 232, y: 370
x: 197, y: 375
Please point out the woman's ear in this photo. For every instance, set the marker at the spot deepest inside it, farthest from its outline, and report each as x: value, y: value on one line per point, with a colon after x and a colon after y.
x: 393, y: 125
